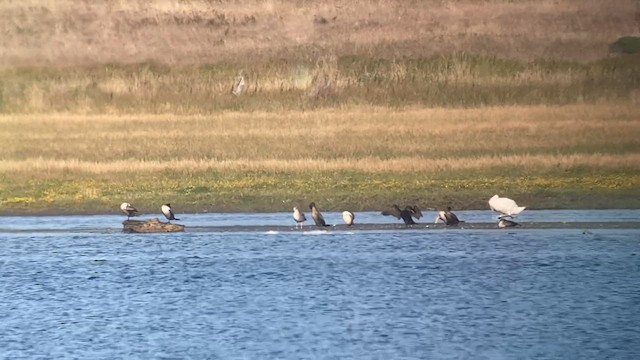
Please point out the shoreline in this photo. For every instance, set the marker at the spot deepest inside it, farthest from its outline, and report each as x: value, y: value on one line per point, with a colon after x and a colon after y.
x: 116, y: 211
x: 275, y: 229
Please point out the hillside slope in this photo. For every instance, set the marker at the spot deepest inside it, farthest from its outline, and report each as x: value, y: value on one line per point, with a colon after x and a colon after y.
x: 86, y: 32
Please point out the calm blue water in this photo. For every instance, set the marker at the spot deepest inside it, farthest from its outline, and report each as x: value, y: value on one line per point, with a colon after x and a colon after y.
x: 88, y: 291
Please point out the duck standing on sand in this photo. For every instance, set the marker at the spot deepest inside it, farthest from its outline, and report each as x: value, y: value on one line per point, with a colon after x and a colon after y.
x: 128, y: 209
x: 168, y: 213
x: 348, y: 217
x: 447, y: 217
x: 405, y: 214
x: 298, y: 216
x: 316, y: 215
x: 504, y: 223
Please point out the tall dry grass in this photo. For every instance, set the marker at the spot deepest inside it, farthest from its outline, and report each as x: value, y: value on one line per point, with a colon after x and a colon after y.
x: 364, y: 139
x: 583, y: 156
x: 416, y: 164
x: 461, y: 80
x: 86, y: 32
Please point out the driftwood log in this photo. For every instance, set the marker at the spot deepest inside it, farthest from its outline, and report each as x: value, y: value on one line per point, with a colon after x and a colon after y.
x: 150, y: 226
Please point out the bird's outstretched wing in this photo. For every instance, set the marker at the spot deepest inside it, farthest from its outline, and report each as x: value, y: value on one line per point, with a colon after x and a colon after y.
x: 393, y: 211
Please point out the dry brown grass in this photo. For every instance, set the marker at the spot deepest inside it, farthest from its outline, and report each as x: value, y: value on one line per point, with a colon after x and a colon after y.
x: 426, y: 166
x: 459, y: 80
x: 84, y: 32
x: 364, y: 139
x: 583, y: 156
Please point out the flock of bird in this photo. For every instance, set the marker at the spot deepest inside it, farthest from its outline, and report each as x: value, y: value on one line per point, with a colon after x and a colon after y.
x: 131, y: 211
x: 507, y: 208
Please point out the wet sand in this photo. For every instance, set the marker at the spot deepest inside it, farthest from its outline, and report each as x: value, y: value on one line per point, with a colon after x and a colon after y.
x: 425, y: 227
x: 113, y: 228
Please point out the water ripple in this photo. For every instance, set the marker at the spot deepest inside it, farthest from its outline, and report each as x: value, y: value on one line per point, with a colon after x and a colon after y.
x: 407, y: 295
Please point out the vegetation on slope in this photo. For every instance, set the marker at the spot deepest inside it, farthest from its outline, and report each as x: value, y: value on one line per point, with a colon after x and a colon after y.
x: 366, y: 158
x: 355, y: 104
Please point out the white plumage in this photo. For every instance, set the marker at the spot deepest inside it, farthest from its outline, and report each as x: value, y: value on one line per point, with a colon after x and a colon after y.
x: 168, y: 213
x: 128, y: 209
x: 240, y: 85
x: 298, y: 216
x: 505, y: 206
x: 348, y: 217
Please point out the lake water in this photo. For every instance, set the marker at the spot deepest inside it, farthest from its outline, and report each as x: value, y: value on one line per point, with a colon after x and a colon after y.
x: 76, y: 287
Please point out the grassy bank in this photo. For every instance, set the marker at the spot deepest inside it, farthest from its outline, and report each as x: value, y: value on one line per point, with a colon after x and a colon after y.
x: 459, y: 80
x: 582, y: 156
x: 333, y: 191
x: 352, y: 104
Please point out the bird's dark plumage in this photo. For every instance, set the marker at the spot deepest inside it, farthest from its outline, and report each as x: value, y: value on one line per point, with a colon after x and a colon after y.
x: 394, y: 211
x: 316, y: 215
x: 417, y: 213
x: 406, y: 214
x: 503, y: 223
x: 448, y: 217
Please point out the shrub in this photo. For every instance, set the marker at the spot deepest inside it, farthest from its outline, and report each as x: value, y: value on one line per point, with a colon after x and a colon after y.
x: 626, y: 45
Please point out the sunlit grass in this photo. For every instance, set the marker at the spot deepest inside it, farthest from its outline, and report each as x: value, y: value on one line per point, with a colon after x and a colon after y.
x: 548, y: 162
x: 344, y: 105
x: 361, y: 158
x: 460, y: 80
x: 279, y: 191
x: 365, y: 138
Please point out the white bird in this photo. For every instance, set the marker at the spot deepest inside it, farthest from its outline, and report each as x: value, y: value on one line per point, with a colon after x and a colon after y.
x: 348, y: 217
x: 240, y: 85
x: 298, y: 216
x: 505, y: 206
x: 166, y: 210
x: 128, y: 210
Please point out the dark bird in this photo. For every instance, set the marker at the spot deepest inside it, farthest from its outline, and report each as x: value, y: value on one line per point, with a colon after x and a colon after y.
x: 348, y: 217
x: 447, y: 217
x: 166, y: 210
x: 417, y: 213
x: 405, y: 215
x: 394, y: 211
x: 503, y: 223
x: 316, y: 215
x: 298, y: 216
x: 128, y: 210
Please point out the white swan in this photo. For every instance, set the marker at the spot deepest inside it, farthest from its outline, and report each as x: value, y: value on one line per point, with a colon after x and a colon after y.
x: 505, y: 206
